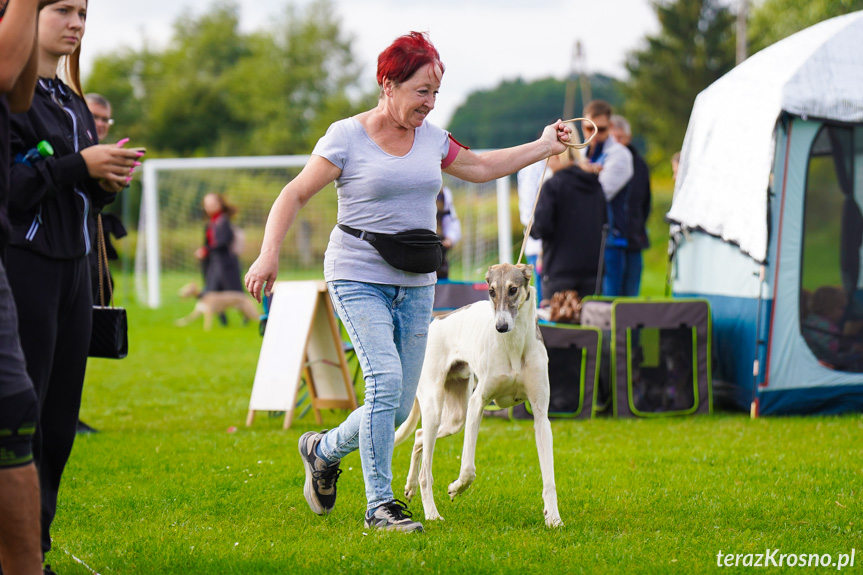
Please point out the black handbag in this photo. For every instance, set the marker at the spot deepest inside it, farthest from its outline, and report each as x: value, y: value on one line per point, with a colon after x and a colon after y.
x: 416, y: 251
x: 110, y: 335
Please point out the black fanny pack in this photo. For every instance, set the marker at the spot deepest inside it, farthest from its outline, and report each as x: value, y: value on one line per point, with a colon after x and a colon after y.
x: 416, y: 251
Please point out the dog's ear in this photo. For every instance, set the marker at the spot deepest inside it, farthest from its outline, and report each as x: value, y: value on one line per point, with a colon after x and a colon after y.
x: 526, y: 270
x: 488, y: 274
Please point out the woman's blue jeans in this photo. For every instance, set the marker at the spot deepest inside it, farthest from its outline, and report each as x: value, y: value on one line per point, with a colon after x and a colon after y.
x: 388, y: 326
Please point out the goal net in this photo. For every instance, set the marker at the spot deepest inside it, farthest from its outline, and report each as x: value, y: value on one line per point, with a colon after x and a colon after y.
x: 172, y: 221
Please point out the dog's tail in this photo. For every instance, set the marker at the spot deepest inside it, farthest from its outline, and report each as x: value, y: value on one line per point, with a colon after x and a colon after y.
x: 409, y: 426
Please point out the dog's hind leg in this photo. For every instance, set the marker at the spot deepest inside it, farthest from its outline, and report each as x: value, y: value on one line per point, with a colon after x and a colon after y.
x: 538, y: 395
x: 475, y: 407
x: 431, y: 422
x: 413, y: 473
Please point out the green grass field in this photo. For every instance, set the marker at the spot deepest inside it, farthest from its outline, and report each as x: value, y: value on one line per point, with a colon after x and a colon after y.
x: 174, y: 482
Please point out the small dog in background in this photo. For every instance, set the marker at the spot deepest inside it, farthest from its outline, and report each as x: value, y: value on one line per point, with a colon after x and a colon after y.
x: 213, y: 303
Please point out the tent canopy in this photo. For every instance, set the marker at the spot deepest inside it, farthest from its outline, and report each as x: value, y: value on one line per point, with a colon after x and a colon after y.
x: 728, y: 149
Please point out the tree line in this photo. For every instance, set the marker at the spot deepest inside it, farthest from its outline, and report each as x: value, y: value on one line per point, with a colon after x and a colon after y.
x: 216, y: 90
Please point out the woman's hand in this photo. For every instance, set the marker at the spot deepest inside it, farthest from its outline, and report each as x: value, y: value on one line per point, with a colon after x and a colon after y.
x: 263, y: 271
x: 111, y: 165
x: 556, y: 136
x: 201, y: 253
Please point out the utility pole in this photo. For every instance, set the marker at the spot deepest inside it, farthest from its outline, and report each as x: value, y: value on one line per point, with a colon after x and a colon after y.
x: 742, y: 17
x: 577, y: 68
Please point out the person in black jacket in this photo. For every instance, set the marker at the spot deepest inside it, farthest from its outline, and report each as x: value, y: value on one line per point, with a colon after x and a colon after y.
x: 50, y: 202
x: 218, y: 256
x: 637, y: 209
x: 569, y: 217
x: 20, y: 551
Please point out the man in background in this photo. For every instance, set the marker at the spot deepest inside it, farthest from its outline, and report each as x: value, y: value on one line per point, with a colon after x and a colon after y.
x: 637, y: 210
x: 100, y: 107
x: 612, y: 162
x: 101, y: 110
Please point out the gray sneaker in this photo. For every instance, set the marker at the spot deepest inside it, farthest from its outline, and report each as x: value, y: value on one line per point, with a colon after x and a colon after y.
x: 393, y: 516
x: 320, y: 487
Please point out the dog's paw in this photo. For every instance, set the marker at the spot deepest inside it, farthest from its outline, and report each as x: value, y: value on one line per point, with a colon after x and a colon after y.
x: 410, y: 491
x: 554, y: 521
x: 457, y: 487
x: 435, y: 516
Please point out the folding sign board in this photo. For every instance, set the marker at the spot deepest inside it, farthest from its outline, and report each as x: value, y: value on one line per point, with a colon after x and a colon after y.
x: 301, y: 342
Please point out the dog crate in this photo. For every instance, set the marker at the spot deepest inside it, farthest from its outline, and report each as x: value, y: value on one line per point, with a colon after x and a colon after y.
x: 658, y: 356
x: 451, y: 295
x: 573, y: 372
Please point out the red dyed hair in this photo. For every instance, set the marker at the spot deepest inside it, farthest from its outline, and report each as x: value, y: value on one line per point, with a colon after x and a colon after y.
x: 406, y: 55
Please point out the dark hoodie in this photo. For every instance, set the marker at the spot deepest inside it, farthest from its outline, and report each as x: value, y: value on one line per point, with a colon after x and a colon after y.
x: 51, y: 202
x: 569, y: 218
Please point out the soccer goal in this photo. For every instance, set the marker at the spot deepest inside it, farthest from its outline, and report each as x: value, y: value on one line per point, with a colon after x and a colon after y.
x: 172, y: 221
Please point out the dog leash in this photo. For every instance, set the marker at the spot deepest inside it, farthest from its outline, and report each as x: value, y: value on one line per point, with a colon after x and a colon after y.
x: 542, y: 176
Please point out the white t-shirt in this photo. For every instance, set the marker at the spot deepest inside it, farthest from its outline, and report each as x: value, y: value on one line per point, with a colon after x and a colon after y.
x: 379, y: 192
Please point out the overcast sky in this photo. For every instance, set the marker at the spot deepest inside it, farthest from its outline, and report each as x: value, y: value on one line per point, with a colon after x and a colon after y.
x: 481, y: 41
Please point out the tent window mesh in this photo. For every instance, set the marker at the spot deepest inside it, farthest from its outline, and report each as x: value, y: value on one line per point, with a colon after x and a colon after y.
x: 831, y: 285
x: 662, y: 369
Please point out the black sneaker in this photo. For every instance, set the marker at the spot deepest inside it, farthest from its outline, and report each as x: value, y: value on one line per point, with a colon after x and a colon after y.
x: 393, y: 516
x: 84, y: 428
x: 320, y: 487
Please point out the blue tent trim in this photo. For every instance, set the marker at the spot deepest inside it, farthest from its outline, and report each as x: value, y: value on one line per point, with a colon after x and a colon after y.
x: 822, y: 400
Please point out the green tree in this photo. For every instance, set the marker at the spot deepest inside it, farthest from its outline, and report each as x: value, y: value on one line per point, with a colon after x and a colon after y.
x: 694, y: 48
x: 515, y: 111
x: 773, y: 20
x: 216, y: 90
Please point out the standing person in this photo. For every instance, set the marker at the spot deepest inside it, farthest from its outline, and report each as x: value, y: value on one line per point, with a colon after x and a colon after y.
x: 49, y: 207
x: 637, y: 209
x: 612, y: 162
x: 387, y: 164
x: 100, y: 108
x: 448, y: 228
x: 20, y: 549
x: 528, y: 186
x: 569, y: 217
x: 220, y: 264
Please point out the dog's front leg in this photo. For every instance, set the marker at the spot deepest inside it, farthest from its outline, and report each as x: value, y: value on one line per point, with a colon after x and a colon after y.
x: 545, y: 449
x: 471, y: 431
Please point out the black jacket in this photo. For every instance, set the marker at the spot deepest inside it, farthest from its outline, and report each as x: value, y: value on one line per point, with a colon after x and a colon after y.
x: 638, y: 203
x: 4, y: 171
x: 51, y: 203
x: 221, y: 266
x: 569, y: 218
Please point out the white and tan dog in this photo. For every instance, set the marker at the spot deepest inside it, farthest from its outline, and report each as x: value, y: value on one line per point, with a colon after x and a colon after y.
x: 487, y: 351
x: 213, y: 303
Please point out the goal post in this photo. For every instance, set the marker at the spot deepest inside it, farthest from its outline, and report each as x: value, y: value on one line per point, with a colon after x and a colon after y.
x: 171, y: 222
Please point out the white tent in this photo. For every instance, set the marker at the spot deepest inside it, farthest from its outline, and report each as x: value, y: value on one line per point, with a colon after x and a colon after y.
x: 769, y: 197
x: 729, y: 146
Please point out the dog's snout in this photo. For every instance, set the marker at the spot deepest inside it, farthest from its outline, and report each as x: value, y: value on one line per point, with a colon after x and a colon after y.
x: 503, y: 322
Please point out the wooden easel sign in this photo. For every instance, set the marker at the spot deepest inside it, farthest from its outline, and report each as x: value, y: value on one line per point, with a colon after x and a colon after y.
x: 302, y: 341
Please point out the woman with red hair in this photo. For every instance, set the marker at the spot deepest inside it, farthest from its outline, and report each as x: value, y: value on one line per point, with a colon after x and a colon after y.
x: 381, y: 260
